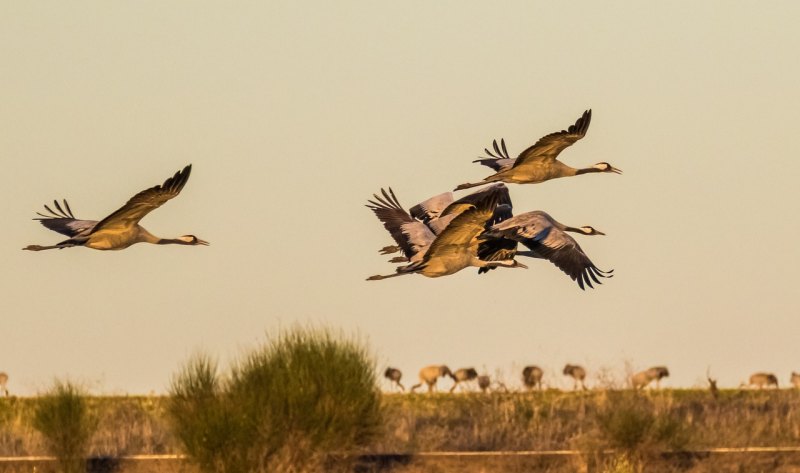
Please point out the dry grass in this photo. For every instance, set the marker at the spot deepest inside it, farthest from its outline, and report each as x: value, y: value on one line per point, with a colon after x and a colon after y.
x: 550, y: 420
x: 126, y: 426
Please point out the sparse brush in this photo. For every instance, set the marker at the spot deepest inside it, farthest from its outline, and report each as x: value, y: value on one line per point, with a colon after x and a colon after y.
x: 303, y: 400
x: 67, y: 422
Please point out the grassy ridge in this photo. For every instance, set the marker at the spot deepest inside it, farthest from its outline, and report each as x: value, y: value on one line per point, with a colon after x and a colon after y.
x: 550, y: 420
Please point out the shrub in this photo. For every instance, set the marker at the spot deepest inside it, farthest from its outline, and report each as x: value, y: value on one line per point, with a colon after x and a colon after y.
x: 67, y: 422
x: 632, y: 424
x: 300, y: 402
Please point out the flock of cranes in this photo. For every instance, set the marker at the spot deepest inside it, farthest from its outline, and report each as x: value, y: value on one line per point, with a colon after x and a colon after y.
x: 532, y: 376
x: 444, y: 235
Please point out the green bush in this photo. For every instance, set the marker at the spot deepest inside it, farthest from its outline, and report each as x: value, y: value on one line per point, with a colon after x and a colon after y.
x: 633, y: 424
x: 301, y: 402
x: 67, y: 422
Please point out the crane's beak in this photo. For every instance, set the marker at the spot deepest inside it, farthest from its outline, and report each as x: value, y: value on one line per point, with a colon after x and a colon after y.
x: 598, y: 232
x: 615, y: 170
x: 202, y: 242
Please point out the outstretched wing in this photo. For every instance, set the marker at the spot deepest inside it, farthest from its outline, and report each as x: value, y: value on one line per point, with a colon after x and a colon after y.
x: 411, y: 235
x: 537, y: 231
x: 144, y: 202
x: 499, y: 160
x: 63, y: 221
x: 432, y: 208
x: 494, y: 195
x: 529, y: 225
x: 548, y: 147
x: 563, y: 251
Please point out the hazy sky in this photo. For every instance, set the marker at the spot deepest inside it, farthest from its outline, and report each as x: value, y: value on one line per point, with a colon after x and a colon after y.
x: 294, y: 113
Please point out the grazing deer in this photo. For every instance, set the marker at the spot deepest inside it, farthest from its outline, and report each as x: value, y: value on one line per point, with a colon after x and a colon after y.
x: 394, y: 375
x: 641, y: 379
x: 430, y: 374
x: 532, y: 377
x: 463, y: 375
x: 578, y: 374
x: 712, y: 385
x: 3, y: 382
x: 795, y: 380
x: 760, y: 380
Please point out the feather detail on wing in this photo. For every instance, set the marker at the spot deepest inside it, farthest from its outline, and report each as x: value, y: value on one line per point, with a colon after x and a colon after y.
x: 432, y: 208
x: 462, y: 233
x: 499, y: 160
x: 492, y: 196
x: 548, y: 147
x: 567, y: 255
x: 63, y: 221
x: 145, y: 201
x: 411, y: 235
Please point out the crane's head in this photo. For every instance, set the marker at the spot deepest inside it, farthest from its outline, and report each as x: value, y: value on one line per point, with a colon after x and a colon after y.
x: 192, y: 240
x: 605, y: 167
x: 587, y: 230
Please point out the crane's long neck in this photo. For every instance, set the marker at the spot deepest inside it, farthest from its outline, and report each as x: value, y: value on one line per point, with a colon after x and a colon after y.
x: 574, y: 230
x: 587, y: 170
x: 147, y: 237
x: 170, y: 241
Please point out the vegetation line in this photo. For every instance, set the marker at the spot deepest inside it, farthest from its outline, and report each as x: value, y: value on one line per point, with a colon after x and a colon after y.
x: 499, y: 453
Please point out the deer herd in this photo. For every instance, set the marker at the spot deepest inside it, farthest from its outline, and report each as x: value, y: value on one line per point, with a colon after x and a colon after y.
x: 532, y: 378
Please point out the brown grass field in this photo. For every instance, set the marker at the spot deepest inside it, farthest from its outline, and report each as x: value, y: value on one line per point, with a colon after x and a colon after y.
x: 611, y: 431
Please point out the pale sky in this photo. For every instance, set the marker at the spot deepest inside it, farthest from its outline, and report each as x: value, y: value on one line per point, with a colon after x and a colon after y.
x: 294, y: 113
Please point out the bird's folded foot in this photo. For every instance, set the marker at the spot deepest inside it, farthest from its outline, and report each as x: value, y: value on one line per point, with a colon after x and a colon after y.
x: 33, y: 248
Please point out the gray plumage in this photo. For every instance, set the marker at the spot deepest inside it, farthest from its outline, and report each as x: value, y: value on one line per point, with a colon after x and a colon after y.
x: 454, y: 249
x: 577, y: 373
x: 435, y: 214
x: 394, y: 375
x: 463, y: 375
x: 538, y: 163
x: 532, y: 377
x: 546, y: 238
x: 484, y: 382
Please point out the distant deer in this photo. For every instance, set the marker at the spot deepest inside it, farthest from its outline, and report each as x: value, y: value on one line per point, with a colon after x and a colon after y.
x: 641, y: 379
x: 394, y: 375
x: 463, y: 375
x: 430, y: 374
x: 532, y: 377
x: 578, y: 374
x: 795, y: 380
x: 484, y: 382
x: 3, y: 382
x: 712, y: 385
x: 760, y: 380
